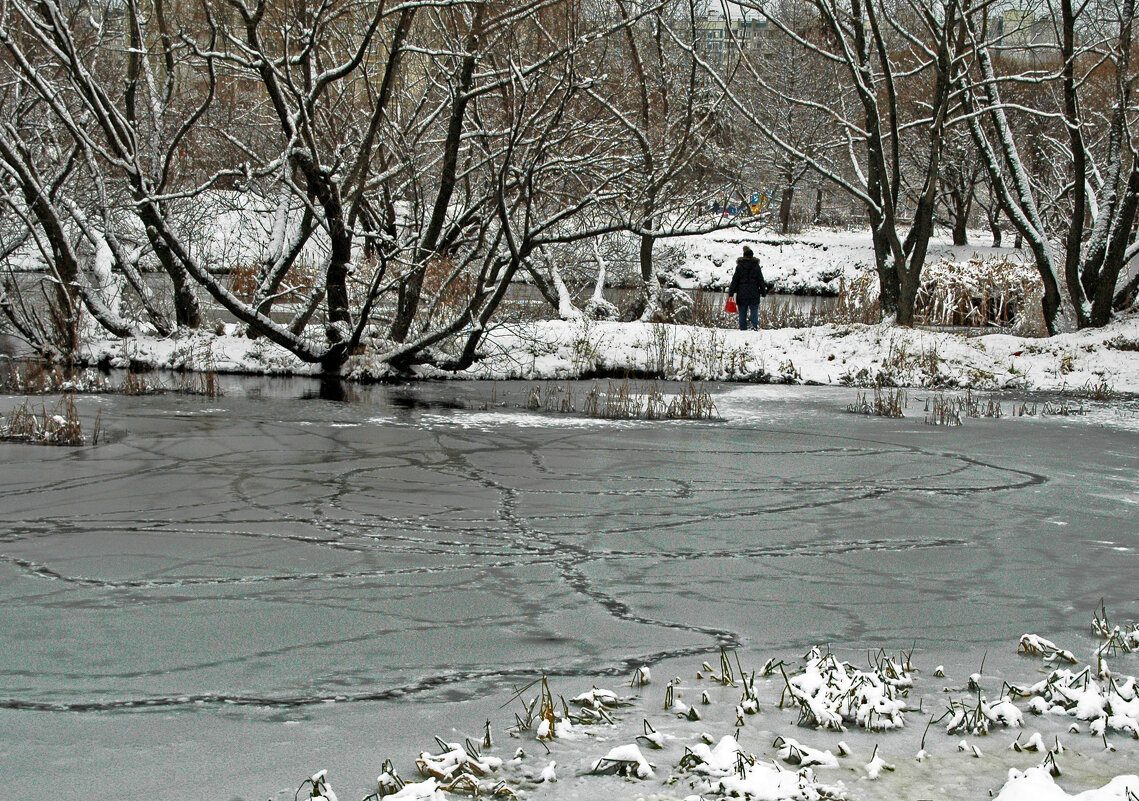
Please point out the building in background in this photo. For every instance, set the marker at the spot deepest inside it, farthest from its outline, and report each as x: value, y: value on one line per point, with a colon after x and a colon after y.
x: 1026, y: 38
x: 721, y: 39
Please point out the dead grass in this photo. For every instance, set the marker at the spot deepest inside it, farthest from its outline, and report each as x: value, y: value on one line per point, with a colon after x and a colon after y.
x: 625, y: 401
x: 33, y: 377
x: 942, y: 411
x: 950, y: 411
x: 884, y: 404
x: 36, y: 377
x: 60, y: 426
x: 981, y: 293
x: 1100, y: 391
x: 245, y: 279
x: 1123, y: 344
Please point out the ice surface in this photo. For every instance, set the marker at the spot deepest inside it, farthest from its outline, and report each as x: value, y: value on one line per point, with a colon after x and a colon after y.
x: 254, y: 588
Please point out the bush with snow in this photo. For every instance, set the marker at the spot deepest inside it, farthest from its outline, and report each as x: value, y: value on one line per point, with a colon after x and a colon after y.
x: 832, y: 694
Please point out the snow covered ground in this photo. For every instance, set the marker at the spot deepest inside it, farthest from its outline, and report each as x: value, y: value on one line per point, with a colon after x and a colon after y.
x: 811, y: 262
x: 853, y: 355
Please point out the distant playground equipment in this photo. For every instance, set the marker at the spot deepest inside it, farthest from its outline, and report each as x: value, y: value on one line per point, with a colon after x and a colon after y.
x: 744, y: 207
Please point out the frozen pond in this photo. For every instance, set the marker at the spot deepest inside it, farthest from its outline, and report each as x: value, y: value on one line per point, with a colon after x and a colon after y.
x: 230, y: 594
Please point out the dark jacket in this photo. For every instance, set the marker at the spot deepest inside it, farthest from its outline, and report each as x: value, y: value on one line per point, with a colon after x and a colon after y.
x: 747, y: 282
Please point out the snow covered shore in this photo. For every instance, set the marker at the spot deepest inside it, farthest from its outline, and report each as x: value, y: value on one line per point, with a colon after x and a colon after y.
x: 852, y: 355
x: 814, y: 262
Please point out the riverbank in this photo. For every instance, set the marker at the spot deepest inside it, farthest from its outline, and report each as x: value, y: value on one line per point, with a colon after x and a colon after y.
x: 970, y: 286
x: 1103, y: 361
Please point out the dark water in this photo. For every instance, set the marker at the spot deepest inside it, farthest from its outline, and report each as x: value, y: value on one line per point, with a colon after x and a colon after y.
x: 241, y: 587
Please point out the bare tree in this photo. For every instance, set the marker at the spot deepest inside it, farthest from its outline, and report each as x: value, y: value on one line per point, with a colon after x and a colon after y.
x: 55, y: 177
x: 1084, y: 195
x: 961, y: 175
x: 796, y: 102
x: 666, y: 118
x: 421, y: 151
x: 893, y: 58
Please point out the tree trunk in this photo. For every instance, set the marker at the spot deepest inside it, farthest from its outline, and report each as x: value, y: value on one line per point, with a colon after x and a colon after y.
x: 916, y: 247
x: 1075, y: 236
x: 645, y: 255
x: 542, y: 285
x: 326, y: 193
x: 1113, y: 261
x: 960, y: 232
x: 785, y: 208
x: 889, y: 289
x: 410, y: 288
x: 994, y: 216
x: 649, y: 282
x: 960, y: 219
x: 187, y: 312
x: 1126, y: 297
x: 908, y: 285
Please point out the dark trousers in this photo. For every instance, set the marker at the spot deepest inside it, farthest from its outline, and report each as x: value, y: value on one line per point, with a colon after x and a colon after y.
x: 745, y: 310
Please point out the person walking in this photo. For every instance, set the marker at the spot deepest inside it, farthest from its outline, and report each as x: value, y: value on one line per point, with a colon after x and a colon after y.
x: 747, y: 288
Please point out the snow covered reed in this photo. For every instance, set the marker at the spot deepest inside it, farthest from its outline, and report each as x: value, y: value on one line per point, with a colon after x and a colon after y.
x: 34, y: 377
x: 883, y: 404
x: 626, y: 401
x: 832, y: 694
x: 591, y: 737
x: 31, y: 377
x: 981, y: 292
x: 60, y: 426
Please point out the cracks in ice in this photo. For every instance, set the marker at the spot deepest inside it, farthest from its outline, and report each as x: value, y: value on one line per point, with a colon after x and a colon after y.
x: 337, y: 509
x: 828, y: 548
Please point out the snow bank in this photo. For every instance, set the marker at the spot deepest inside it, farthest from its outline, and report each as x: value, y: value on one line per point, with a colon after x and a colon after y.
x: 1106, y: 359
x: 224, y: 350
x: 1037, y: 784
x: 852, y: 355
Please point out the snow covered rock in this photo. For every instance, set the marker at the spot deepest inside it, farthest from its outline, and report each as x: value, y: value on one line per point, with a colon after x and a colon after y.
x: 624, y: 760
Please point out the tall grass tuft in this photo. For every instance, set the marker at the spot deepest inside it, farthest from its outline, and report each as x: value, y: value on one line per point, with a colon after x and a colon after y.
x: 34, y: 377
x: 1100, y: 391
x: 884, y: 404
x: 60, y: 426
x: 626, y: 401
x: 981, y: 293
x: 950, y: 411
x: 942, y: 411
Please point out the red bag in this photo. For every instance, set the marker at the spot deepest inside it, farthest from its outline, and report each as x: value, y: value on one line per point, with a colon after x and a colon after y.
x: 730, y: 307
